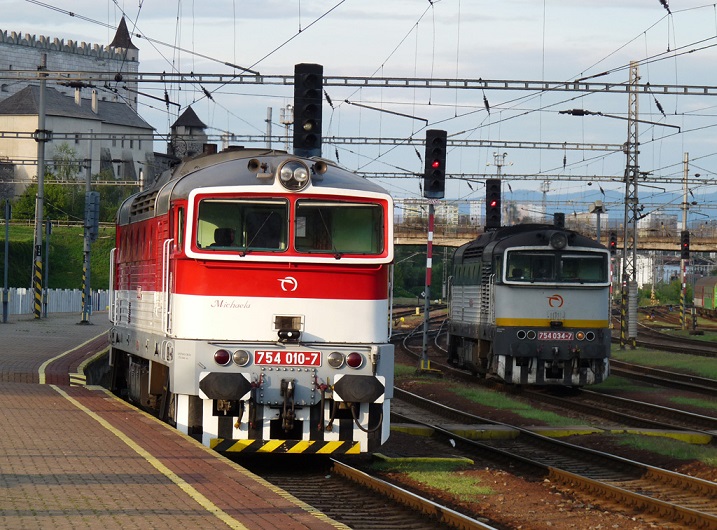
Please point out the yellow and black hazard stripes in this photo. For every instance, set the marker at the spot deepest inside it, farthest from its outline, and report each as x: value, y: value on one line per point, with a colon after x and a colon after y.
x: 78, y: 379
x: 37, y: 288
x: 286, y: 446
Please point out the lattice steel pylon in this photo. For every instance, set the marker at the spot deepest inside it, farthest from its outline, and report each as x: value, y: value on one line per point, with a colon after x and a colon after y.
x: 628, y: 305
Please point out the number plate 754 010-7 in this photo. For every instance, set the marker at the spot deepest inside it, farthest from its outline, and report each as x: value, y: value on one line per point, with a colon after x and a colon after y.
x: 287, y: 358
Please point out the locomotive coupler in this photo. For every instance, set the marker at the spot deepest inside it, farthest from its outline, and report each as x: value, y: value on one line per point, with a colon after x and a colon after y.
x: 287, y: 418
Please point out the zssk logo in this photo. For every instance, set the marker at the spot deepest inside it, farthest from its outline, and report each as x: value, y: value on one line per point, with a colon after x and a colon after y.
x: 288, y: 284
x: 555, y: 300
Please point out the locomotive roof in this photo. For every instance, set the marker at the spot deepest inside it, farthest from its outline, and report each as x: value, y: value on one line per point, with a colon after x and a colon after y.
x: 529, y: 234
x: 230, y: 168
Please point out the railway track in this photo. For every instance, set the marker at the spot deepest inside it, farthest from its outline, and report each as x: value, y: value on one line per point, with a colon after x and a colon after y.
x: 665, y: 378
x: 650, y: 338
x: 665, y: 495
x: 613, y: 409
x: 355, y: 498
x: 627, y: 412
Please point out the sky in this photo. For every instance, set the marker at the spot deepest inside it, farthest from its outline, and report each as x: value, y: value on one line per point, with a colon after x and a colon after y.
x: 516, y: 40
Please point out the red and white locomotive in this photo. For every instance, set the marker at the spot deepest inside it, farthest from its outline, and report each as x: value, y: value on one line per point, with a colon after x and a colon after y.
x: 250, y: 303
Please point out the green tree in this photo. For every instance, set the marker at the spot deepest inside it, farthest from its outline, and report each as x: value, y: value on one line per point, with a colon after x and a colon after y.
x: 67, y: 164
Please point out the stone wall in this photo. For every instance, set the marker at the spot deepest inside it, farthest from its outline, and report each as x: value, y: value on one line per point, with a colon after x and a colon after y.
x: 24, y: 52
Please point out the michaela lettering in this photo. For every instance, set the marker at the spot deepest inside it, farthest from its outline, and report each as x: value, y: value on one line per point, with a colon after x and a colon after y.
x: 231, y: 304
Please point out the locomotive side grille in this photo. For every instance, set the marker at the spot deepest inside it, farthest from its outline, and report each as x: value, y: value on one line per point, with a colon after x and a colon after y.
x: 473, y: 253
x: 143, y: 203
x: 486, y: 298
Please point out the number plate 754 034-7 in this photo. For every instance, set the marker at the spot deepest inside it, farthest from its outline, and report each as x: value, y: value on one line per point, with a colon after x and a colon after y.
x: 555, y: 335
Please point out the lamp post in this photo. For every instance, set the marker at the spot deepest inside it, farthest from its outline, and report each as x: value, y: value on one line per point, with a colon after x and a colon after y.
x: 598, y: 209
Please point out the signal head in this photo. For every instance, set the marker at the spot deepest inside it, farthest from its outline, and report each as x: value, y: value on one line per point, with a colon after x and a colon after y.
x: 434, y: 177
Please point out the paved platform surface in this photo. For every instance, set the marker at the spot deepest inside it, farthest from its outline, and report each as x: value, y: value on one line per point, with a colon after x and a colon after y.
x: 77, y: 457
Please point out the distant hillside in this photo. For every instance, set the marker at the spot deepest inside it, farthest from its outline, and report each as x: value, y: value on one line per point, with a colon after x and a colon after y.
x: 65, y: 260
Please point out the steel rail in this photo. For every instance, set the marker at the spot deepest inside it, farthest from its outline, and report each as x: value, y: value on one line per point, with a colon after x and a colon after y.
x: 623, y: 471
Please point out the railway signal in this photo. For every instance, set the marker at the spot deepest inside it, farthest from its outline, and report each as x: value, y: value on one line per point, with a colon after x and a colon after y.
x: 685, y: 244
x: 492, y: 204
x: 612, y: 245
x: 308, y: 98
x: 434, y: 175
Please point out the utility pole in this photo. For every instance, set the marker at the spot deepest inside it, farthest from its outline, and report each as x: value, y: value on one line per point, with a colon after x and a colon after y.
x: 5, y: 291
x: 545, y: 188
x: 86, y: 269
x: 628, y: 309
x: 41, y: 137
x: 684, y: 262
x: 286, y: 117
x: 268, y: 127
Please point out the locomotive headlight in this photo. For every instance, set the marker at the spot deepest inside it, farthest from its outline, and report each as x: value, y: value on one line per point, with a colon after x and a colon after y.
x: 241, y: 357
x: 558, y: 240
x: 580, y: 335
x: 301, y: 174
x: 335, y: 359
x: 294, y: 175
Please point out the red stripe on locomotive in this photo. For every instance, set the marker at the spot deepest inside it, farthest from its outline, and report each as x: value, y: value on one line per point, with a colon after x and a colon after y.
x: 289, y: 281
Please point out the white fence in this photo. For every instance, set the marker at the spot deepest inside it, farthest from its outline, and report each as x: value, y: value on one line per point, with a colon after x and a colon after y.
x: 58, y: 300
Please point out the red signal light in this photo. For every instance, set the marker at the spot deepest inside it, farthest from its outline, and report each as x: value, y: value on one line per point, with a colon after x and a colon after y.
x: 493, y: 203
x: 436, y: 164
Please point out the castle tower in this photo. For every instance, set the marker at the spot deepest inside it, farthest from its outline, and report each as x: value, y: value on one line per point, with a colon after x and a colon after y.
x: 122, y: 41
x: 188, y: 135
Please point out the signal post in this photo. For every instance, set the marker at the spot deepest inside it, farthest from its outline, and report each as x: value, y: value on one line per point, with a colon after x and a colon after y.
x: 434, y: 185
x: 684, y: 261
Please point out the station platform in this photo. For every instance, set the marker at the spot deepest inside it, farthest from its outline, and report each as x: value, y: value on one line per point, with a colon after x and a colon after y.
x: 78, y: 457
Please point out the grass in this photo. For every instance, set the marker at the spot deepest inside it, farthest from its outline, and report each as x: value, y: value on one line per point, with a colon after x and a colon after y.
x: 501, y: 401
x: 485, y: 397
x: 446, y: 476
x: 710, y: 406
x: 685, y: 333
x: 670, y: 447
x: 65, y: 260
x: 615, y: 384
x: 701, y: 366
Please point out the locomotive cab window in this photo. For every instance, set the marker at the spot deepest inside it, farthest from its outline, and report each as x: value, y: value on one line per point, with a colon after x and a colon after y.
x: 530, y: 266
x: 242, y: 225
x: 583, y: 268
x: 338, y: 227
x: 576, y: 267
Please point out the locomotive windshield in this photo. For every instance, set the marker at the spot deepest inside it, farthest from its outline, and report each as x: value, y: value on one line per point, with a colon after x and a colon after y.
x: 238, y: 224
x: 319, y: 226
x: 568, y: 267
x: 338, y: 227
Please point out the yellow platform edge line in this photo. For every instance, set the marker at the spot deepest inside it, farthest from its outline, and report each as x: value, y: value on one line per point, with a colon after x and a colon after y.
x: 239, y: 469
x: 203, y: 501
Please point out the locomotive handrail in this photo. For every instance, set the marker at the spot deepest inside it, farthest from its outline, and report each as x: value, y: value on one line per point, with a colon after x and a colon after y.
x: 165, y: 285
x: 112, y: 312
